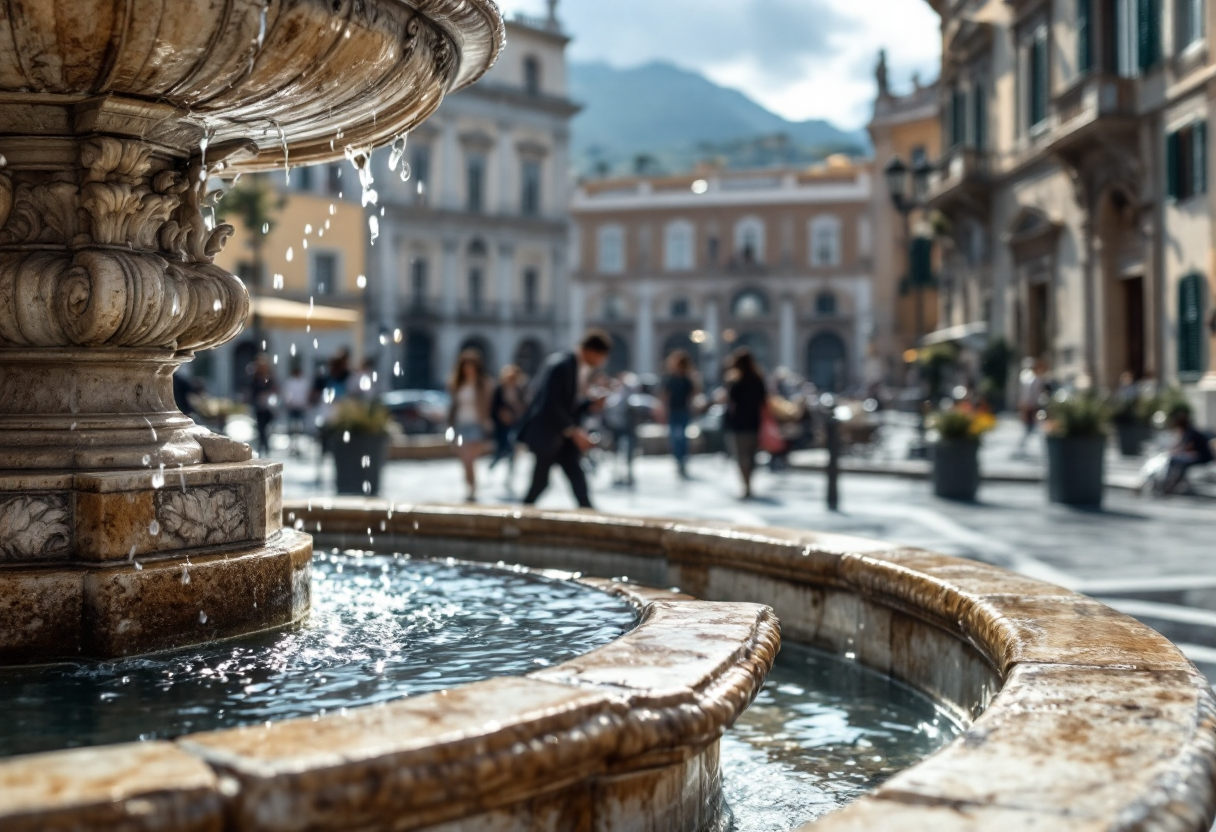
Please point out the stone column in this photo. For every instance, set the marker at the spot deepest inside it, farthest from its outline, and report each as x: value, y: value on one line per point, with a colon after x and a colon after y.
x: 506, y: 171
x: 788, y: 349
x: 503, y: 336
x: 645, y: 328
x: 711, y: 355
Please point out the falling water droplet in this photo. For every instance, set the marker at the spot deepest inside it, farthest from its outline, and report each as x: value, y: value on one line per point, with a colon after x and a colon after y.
x: 181, y: 475
x: 373, y: 225
x: 217, y: 305
x: 73, y: 427
x: 367, y: 462
x: 185, y: 575
x: 305, y: 245
x: 307, y: 228
x: 346, y: 437
x: 139, y: 567
x: 278, y: 281
x: 154, y: 527
x: 293, y: 350
x: 331, y: 213
x: 131, y: 554
x: 265, y: 228
x: 367, y: 487
x: 202, y: 617
x: 146, y: 459
x: 3, y: 160
x: 361, y: 281
x: 405, y: 172
x: 290, y: 254
x: 158, y: 478
x: 396, y: 368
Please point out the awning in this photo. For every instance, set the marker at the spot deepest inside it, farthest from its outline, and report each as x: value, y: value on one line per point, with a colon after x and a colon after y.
x: 973, y: 335
x: 281, y: 313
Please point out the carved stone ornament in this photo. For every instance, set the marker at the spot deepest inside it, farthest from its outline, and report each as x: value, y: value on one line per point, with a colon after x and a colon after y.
x: 34, y: 527
x: 203, y: 516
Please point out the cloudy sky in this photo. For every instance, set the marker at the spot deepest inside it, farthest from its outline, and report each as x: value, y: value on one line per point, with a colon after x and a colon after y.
x: 800, y: 58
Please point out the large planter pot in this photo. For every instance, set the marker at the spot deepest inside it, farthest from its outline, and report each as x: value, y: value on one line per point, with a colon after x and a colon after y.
x: 956, y: 469
x: 357, y: 462
x: 1076, y: 469
x: 1132, y: 437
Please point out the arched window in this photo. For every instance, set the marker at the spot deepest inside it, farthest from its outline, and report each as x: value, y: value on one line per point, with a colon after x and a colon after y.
x: 749, y: 240
x: 678, y: 246
x: 1190, y: 326
x: 825, y: 241
x: 610, y: 249
x: 749, y: 303
x: 825, y: 303
x: 532, y: 75
x: 679, y: 308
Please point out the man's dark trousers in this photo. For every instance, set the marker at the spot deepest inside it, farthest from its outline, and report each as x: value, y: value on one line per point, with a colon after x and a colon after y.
x: 568, y: 457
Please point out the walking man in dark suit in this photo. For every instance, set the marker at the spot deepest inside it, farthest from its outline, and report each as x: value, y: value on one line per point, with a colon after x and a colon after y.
x: 551, y: 428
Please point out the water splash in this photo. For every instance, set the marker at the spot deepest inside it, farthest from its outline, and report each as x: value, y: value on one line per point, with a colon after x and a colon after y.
x: 373, y: 226
x: 396, y: 152
x: 154, y: 527
x: 158, y: 478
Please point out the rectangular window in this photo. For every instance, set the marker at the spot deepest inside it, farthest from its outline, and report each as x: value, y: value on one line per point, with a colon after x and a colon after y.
x: 958, y: 118
x: 475, y: 182
x: 418, y: 282
x: 531, y: 291
x: 1085, y: 54
x: 420, y: 171
x: 475, y: 289
x: 1189, y: 23
x: 1148, y: 34
x: 1186, y: 161
x: 610, y: 250
x: 303, y: 178
x: 529, y: 198
x: 324, y: 273
x: 1037, y: 73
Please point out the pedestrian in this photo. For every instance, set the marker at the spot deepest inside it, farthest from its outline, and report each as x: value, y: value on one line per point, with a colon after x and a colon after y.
x: 469, y: 415
x: 1033, y: 395
x: 263, y: 395
x: 297, y: 393
x: 1193, y: 447
x: 552, y: 427
x: 507, y: 407
x: 680, y: 388
x: 621, y: 418
x: 746, y: 395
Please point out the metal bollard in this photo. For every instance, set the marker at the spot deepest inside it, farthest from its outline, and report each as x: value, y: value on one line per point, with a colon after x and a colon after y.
x: 832, y: 430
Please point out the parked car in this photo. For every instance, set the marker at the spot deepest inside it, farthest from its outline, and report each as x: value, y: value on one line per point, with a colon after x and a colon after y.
x: 418, y: 411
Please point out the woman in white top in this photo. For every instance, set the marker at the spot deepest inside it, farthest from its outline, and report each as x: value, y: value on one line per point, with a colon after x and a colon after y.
x: 469, y: 415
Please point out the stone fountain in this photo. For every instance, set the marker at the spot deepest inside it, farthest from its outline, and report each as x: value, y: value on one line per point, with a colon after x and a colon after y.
x: 125, y: 528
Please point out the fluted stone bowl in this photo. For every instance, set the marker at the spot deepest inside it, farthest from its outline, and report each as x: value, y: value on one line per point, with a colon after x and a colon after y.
x: 301, y: 79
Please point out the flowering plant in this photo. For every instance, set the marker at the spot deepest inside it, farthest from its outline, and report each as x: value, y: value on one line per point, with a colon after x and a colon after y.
x: 962, y: 422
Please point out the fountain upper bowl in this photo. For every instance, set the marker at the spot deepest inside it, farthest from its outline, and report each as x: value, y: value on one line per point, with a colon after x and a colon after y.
x: 297, y: 81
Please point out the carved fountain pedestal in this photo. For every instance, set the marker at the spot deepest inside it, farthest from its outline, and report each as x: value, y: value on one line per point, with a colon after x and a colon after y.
x: 124, y: 527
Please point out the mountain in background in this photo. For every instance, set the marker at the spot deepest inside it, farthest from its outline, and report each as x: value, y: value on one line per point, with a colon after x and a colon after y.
x: 658, y: 118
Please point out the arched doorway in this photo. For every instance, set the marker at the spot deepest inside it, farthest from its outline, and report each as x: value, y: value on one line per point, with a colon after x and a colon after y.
x: 481, y: 345
x: 529, y: 355
x: 825, y: 362
x: 1123, y: 326
x: 418, y: 372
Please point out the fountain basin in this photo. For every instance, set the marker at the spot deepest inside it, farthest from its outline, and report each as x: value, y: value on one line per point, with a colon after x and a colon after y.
x: 1078, y: 718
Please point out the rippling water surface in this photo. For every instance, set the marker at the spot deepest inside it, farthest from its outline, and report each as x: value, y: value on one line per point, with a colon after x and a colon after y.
x: 823, y: 732
x: 382, y: 627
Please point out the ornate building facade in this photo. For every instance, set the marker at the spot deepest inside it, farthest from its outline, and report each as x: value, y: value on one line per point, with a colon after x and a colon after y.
x: 776, y: 260
x: 1073, y: 183
x: 473, y: 221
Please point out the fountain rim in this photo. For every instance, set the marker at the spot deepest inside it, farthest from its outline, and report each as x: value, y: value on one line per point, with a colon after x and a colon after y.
x: 1073, y: 675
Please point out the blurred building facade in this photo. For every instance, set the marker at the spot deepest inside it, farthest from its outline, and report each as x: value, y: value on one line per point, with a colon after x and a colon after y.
x: 908, y: 127
x: 472, y: 249
x: 779, y: 261
x: 1072, y: 184
x: 305, y: 274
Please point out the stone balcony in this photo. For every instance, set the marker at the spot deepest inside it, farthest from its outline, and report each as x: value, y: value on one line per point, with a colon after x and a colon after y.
x: 1092, y: 111
x: 960, y: 181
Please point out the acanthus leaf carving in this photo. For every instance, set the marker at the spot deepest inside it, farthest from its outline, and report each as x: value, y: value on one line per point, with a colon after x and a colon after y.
x: 205, y: 516
x: 34, y: 527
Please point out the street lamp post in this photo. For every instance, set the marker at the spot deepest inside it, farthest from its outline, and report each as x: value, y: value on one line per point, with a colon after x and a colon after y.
x: 908, y: 188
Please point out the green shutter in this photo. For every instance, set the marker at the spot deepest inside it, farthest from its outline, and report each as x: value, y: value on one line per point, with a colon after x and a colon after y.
x: 1038, y: 81
x: 981, y: 115
x: 1199, y: 158
x: 1084, y: 46
x: 1148, y: 33
x: 920, y: 258
x: 1171, y: 165
x: 1190, y: 325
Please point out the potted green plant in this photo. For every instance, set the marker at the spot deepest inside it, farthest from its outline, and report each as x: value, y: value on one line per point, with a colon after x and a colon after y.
x: 1076, y: 449
x: 357, y: 434
x: 956, y: 466
x: 1132, y: 417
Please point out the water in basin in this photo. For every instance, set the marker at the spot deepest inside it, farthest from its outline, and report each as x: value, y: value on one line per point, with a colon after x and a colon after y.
x: 822, y: 732
x: 382, y: 627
